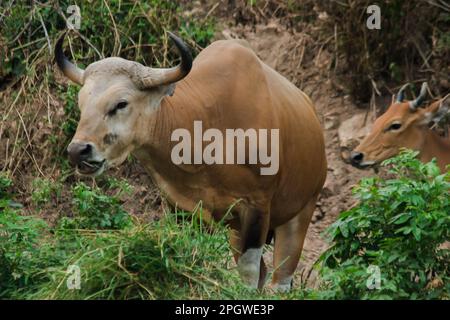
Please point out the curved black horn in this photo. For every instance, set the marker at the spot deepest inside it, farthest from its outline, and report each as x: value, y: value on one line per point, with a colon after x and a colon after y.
x: 401, y: 93
x: 186, y: 57
x: 151, y: 77
x: 70, y: 70
x: 413, y: 105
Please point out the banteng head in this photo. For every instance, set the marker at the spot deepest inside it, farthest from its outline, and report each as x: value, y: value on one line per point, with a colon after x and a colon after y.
x: 404, y: 125
x: 117, y: 100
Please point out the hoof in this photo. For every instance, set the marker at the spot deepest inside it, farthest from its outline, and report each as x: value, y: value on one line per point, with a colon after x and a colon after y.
x: 282, y: 286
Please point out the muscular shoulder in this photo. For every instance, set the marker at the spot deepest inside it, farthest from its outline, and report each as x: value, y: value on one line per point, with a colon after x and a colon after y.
x: 236, y: 52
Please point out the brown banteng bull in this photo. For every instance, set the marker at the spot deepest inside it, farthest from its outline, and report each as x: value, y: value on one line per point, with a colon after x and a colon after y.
x: 129, y: 108
x: 405, y: 124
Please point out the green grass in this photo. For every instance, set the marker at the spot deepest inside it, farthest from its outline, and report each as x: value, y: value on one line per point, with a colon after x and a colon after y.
x: 118, y: 257
x: 176, y: 257
x: 168, y: 259
x: 164, y: 260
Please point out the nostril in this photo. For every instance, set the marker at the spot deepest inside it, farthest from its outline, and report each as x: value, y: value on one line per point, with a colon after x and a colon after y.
x: 79, y: 152
x: 357, y: 156
x: 86, y: 150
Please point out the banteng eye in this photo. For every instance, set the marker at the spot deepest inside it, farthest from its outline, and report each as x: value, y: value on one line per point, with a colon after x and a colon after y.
x: 120, y: 105
x: 395, y: 126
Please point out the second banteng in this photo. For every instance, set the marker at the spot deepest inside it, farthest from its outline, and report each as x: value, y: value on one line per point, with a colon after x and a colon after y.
x: 406, y: 124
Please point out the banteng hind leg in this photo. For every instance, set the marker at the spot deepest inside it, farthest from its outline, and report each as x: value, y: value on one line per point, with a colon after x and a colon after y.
x: 289, y: 239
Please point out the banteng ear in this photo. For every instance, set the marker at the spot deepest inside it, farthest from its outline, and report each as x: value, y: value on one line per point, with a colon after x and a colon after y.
x: 439, y: 112
x: 170, y: 89
x: 165, y: 90
x: 158, y: 93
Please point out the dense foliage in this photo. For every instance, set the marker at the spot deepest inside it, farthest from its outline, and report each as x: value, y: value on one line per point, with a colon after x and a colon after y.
x: 165, y: 259
x: 397, y: 231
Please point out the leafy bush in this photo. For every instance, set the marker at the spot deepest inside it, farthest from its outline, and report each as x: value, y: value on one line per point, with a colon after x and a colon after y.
x: 19, y: 239
x: 96, y: 210
x: 19, y: 246
x: 398, y: 227
x: 45, y: 190
x: 5, y: 183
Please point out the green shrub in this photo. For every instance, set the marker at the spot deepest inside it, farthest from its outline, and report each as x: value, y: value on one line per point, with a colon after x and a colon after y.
x: 45, y: 190
x: 5, y: 183
x: 94, y: 209
x: 19, y: 240
x: 398, y: 227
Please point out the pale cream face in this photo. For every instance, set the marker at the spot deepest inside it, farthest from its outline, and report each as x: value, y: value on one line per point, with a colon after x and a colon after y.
x: 114, y: 113
x: 118, y: 100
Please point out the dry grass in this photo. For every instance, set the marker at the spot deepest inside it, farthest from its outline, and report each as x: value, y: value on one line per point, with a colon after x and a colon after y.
x: 413, y: 45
